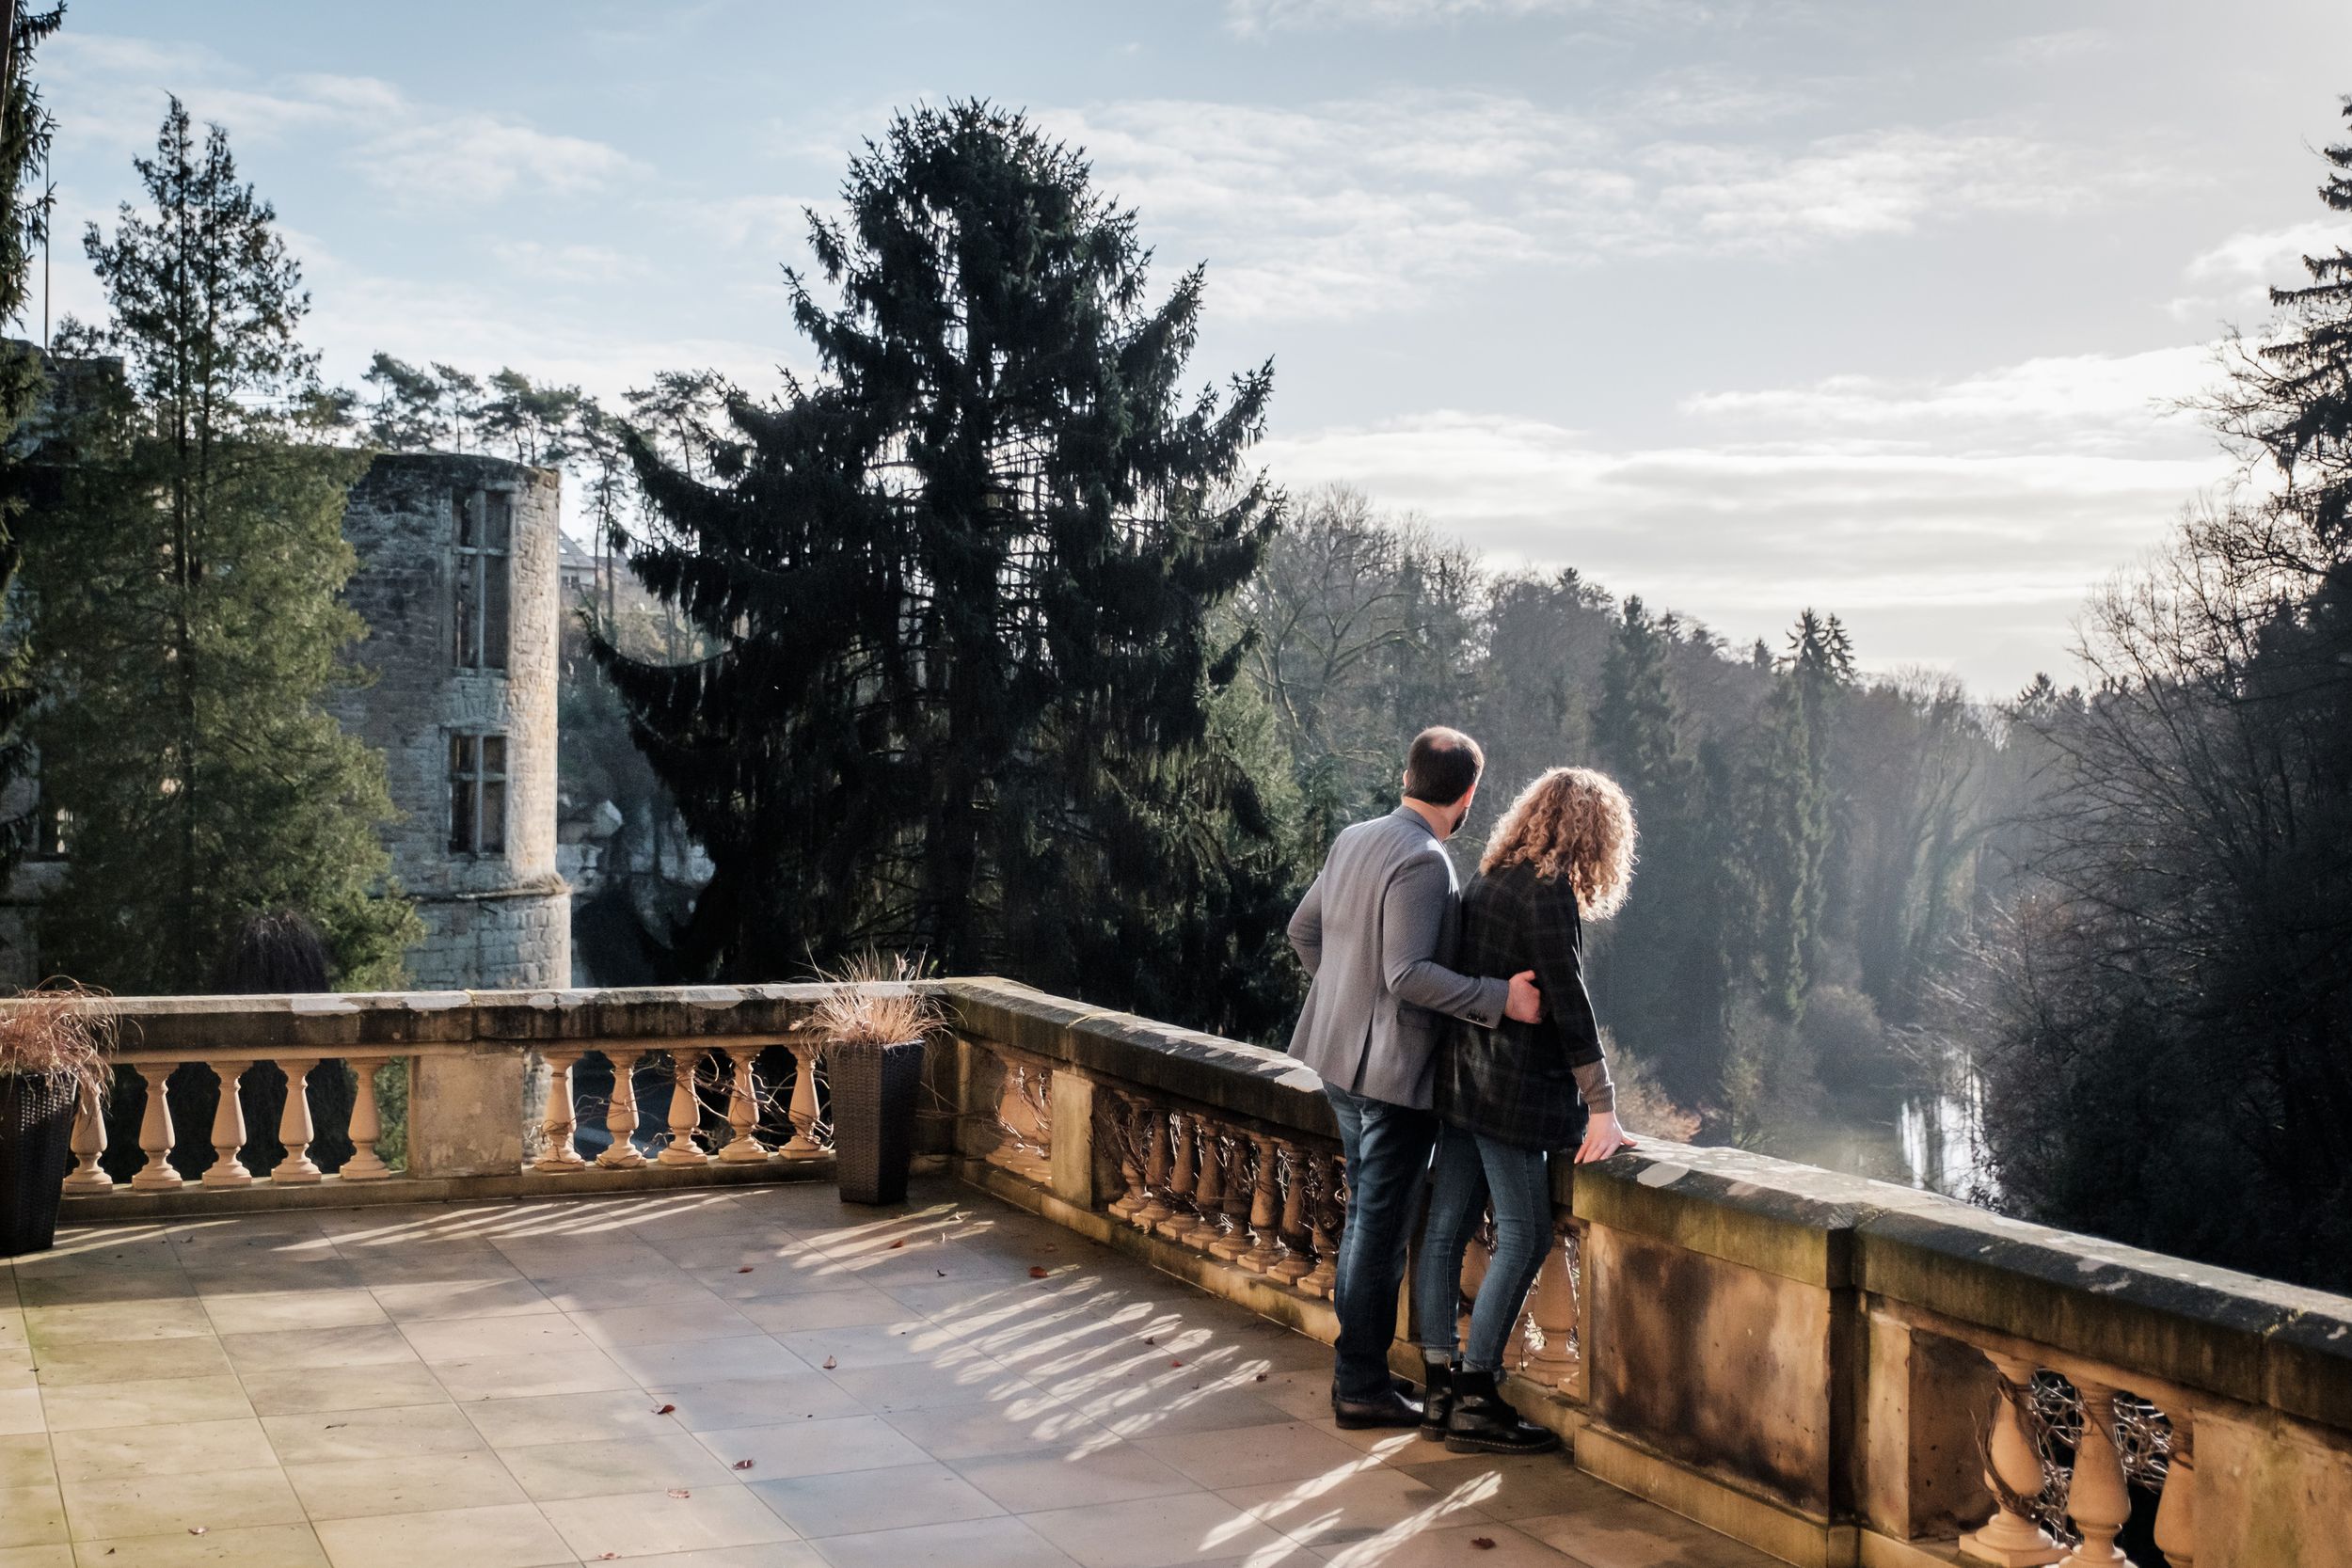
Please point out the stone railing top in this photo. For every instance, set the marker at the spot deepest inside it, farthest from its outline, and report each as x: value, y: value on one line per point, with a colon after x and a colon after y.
x: 2165, y: 1319
x: 1121, y: 1048
x: 494, y: 1019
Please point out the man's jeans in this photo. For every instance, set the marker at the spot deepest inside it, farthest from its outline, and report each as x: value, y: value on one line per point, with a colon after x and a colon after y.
x: 1388, y: 1153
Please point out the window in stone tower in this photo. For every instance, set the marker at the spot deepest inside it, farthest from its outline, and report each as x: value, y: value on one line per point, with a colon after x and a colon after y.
x: 477, y: 794
x: 486, y: 526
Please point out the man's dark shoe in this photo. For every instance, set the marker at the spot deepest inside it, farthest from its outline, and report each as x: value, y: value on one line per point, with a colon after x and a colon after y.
x: 1437, y: 1400
x: 1387, y: 1409
x: 1481, y: 1421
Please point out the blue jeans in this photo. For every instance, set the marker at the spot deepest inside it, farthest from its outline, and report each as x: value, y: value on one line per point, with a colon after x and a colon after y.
x: 1468, y: 1168
x: 1388, y: 1153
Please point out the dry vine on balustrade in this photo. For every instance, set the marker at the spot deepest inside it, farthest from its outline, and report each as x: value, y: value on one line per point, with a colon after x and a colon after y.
x: 1268, y: 1202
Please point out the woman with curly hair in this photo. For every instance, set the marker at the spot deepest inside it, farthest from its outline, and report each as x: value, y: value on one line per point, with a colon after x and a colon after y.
x: 1509, y: 1096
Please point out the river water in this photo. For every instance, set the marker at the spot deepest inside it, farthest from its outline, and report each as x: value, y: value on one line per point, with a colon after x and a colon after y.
x: 1922, y: 1140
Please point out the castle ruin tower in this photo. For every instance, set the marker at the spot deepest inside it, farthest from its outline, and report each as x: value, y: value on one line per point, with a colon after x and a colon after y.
x: 457, y: 582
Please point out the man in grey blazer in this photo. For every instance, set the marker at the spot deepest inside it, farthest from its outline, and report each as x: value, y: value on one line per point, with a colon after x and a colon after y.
x: 1376, y: 932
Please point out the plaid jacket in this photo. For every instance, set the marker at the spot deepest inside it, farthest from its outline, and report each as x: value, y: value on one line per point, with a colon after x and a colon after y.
x: 1516, y: 1084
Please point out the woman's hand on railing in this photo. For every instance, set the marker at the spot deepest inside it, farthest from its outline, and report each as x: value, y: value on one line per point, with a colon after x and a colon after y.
x: 1604, y: 1137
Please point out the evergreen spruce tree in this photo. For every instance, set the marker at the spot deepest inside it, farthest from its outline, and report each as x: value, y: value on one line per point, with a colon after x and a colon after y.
x: 1659, y: 968
x: 24, y: 132
x: 1635, y: 723
x: 184, y: 606
x: 960, y: 590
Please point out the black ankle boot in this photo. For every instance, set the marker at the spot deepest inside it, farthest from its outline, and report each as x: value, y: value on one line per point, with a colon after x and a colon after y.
x: 1481, y: 1421
x: 1436, y: 1399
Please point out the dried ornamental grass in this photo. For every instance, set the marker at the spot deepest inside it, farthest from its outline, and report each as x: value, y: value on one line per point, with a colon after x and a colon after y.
x: 875, y: 1001
x: 60, y: 1030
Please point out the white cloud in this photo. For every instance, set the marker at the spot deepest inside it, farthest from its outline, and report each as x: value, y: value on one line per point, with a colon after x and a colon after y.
x: 2236, y: 276
x: 2089, y: 402
x: 420, y: 154
x: 1971, y: 513
x: 569, y: 263
x: 1338, y: 208
x: 476, y: 158
x: 1871, y: 183
x: 1251, y: 18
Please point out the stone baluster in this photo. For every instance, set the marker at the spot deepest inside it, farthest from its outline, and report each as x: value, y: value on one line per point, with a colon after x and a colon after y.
x: 229, y: 1130
x: 802, y: 1144
x: 1184, y: 1130
x: 1118, y: 1108
x: 2099, y: 1496
x: 2010, y: 1539
x: 685, y: 1110
x: 156, y: 1134
x: 743, y: 1110
x: 1234, y: 1223
x: 559, y: 1153
x: 2176, y: 1511
x: 1265, y: 1211
x: 1034, y: 1156
x: 1324, y: 1206
x: 1291, y: 1264
x: 1208, y: 1192
x: 620, y: 1114
x: 297, y: 1169
x: 89, y: 1143
x: 1155, y: 1171
x: 1552, y: 1309
x: 366, y: 1125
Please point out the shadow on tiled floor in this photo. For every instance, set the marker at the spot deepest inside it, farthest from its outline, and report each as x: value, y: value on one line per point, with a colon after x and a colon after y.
x: 756, y: 1378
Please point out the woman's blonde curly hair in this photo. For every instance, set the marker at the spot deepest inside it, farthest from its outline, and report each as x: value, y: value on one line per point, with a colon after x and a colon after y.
x: 1574, y: 823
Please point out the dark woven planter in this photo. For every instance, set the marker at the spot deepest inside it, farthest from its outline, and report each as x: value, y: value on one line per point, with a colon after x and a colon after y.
x: 36, y: 1138
x: 875, y: 1090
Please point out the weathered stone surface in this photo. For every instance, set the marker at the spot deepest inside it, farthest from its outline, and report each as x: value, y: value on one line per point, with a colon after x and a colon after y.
x: 502, y: 919
x: 1729, y: 1370
x: 1206, y: 1070
x: 2271, y: 1491
x: 463, y: 1116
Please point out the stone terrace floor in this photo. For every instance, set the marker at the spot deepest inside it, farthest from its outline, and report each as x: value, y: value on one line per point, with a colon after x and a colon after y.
x: 754, y: 1378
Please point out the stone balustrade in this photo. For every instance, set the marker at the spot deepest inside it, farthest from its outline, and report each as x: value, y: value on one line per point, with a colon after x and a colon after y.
x: 495, y: 1101
x: 1833, y: 1370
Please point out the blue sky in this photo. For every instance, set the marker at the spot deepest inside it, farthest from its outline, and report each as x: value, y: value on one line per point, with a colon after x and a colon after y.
x: 1741, y: 305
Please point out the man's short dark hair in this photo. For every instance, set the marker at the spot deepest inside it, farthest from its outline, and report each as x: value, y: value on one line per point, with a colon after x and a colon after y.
x: 1442, y: 766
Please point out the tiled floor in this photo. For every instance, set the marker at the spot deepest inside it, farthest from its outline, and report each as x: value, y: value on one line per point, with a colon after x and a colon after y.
x: 759, y: 1378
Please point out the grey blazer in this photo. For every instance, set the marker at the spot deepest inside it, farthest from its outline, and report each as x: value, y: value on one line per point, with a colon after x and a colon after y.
x: 1375, y: 931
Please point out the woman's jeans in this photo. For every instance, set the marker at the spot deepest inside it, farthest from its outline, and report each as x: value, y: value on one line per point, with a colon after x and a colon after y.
x: 1468, y: 1168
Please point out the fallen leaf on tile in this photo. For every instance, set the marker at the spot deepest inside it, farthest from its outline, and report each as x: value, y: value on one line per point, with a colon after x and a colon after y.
x: 831, y: 1363
x: 745, y: 1269
x: 742, y: 1464
x: 941, y: 1273
x: 1175, y: 1363
x: 897, y: 1244
x: 680, y: 1492
x: 196, y: 1529
x: 1484, y: 1543
x: 667, y: 1410
x: 1150, y: 1339
x: 1260, y: 1378
x: 1038, y: 1271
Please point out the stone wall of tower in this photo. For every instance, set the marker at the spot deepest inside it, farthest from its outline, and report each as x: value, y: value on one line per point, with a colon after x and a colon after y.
x: 494, y: 920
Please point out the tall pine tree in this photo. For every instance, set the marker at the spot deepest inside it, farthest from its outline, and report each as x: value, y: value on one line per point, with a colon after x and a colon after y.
x: 184, y: 605
x: 24, y: 132
x: 960, y: 589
